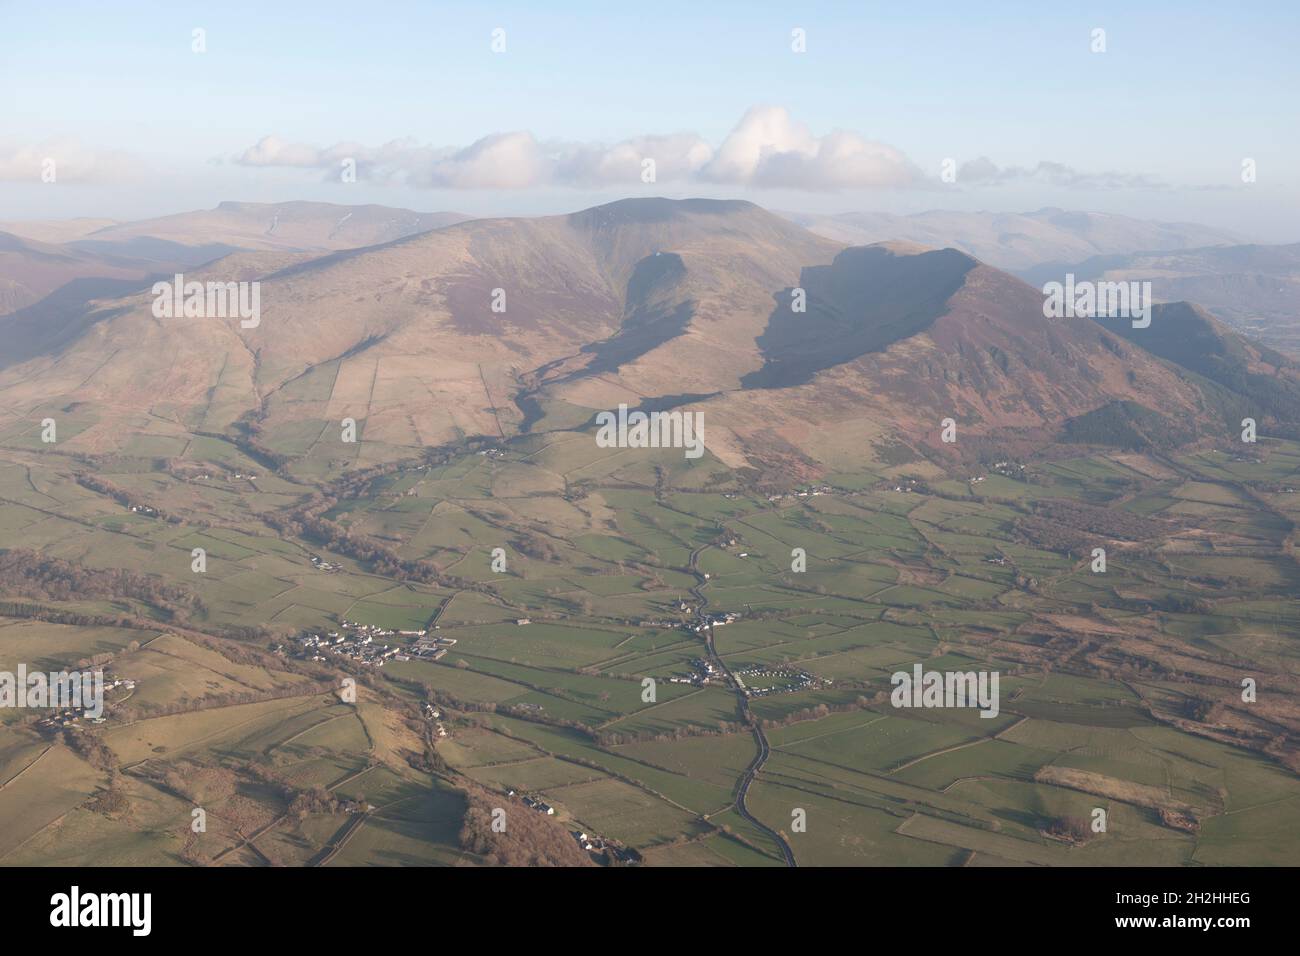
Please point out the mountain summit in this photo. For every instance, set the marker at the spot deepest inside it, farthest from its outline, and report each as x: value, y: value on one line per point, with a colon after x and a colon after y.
x: 794, y: 346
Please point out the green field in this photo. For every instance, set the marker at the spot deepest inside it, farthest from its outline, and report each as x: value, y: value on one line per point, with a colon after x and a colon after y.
x: 1118, y: 690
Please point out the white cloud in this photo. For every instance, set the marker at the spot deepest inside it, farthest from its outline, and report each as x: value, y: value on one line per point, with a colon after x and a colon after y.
x: 499, y: 161
x: 767, y: 149
x: 677, y: 157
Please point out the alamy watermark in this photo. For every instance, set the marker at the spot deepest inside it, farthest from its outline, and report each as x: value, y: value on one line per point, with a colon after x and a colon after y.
x: 946, y: 689
x: 651, y: 430
x: 1092, y: 300
x: 75, y: 908
x: 213, y: 300
x: 78, y: 690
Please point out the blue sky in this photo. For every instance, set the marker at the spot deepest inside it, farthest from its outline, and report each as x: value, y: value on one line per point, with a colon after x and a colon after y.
x: 1157, y: 126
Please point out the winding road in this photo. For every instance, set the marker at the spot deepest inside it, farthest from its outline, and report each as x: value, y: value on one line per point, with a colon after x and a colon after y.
x: 764, y: 749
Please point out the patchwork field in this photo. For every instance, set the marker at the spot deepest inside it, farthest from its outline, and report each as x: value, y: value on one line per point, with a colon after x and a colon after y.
x: 572, y: 660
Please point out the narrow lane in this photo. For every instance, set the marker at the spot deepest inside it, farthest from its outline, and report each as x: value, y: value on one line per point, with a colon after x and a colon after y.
x: 764, y: 749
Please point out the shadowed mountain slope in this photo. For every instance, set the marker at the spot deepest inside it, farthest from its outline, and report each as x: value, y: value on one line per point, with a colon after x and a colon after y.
x: 31, y: 270
x: 1254, y: 288
x: 496, y: 326
x: 1018, y: 240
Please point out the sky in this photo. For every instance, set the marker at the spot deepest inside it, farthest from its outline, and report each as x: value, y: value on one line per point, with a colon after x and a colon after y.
x: 576, y: 97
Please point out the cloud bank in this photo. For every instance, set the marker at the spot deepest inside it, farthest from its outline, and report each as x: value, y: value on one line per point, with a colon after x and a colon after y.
x: 767, y: 149
x: 984, y: 172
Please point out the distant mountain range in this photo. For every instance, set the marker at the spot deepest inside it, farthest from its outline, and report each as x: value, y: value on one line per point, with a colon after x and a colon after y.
x: 1016, y: 241
x: 38, y: 257
x: 1254, y: 288
x: 502, y: 326
x: 31, y: 270
x: 286, y: 226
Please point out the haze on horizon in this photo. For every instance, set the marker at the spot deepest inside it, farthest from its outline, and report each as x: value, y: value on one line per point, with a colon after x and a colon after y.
x: 565, y: 114
x: 429, y: 483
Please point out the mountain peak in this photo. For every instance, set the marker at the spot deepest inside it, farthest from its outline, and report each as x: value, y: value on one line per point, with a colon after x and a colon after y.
x: 652, y: 209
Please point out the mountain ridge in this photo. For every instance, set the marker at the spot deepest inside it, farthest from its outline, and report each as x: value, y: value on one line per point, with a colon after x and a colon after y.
x: 638, y: 301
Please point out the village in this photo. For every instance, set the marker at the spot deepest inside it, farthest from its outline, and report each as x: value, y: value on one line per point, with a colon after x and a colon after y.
x: 703, y: 671
x: 705, y: 622
x: 801, y: 493
x: 71, y: 716
x: 360, y: 643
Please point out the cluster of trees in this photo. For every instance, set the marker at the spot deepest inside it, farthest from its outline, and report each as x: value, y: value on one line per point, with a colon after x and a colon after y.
x: 1125, y: 424
x: 104, y: 658
x: 1182, y: 604
x: 33, y: 574
x: 199, y: 783
x: 1054, y: 536
x: 427, y: 759
x: 1072, y: 829
x: 825, y: 710
x: 39, y: 612
x: 308, y: 521
x: 90, y: 747
x: 248, y: 439
x: 301, y: 800
x: 113, y: 801
x: 1169, y: 602
x: 534, y: 546
x: 1068, y: 527
x: 123, y: 497
x: 609, y: 738
x: 238, y: 653
x: 538, y: 717
x: 530, y: 838
x: 1204, y: 711
x: 602, y: 738
x: 319, y: 800
x: 1111, y: 522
